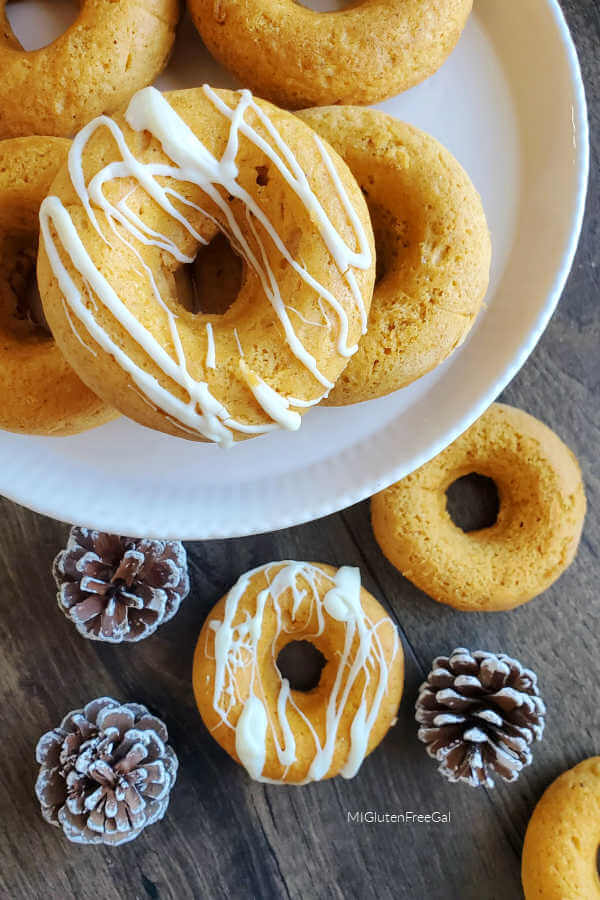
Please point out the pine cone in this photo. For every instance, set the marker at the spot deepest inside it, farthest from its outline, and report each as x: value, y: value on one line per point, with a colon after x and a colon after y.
x: 119, y: 588
x: 106, y: 772
x: 479, y: 714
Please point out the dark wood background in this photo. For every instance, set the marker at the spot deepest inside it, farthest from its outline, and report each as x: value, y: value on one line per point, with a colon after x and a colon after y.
x: 225, y: 836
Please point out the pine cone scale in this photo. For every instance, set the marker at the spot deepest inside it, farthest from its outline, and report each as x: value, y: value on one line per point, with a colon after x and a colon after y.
x: 129, y: 567
x: 87, y: 609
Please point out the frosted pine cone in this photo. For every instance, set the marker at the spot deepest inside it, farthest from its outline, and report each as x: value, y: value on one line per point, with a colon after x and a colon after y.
x: 479, y: 715
x: 106, y: 772
x: 118, y: 588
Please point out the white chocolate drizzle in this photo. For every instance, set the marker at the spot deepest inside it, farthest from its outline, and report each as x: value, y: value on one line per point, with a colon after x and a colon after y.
x: 236, y: 641
x: 192, y: 162
x: 211, y: 360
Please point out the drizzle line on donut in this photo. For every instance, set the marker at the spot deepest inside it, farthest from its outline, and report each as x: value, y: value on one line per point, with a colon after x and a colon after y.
x: 236, y: 645
x: 192, y: 162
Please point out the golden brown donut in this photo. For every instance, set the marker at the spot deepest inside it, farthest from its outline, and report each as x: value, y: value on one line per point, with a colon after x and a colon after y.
x: 536, y: 535
x: 109, y: 277
x: 281, y: 734
x: 41, y: 394
x: 297, y: 57
x: 433, y: 248
x: 562, y: 839
x: 109, y: 52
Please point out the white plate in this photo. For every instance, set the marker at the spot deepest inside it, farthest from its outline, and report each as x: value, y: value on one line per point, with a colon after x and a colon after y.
x: 509, y: 103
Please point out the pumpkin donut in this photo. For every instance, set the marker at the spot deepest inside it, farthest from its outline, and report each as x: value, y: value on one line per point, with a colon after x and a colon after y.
x: 433, y: 248
x: 108, y: 53
x: 535, y: 537
x: 41, y: 394
x: 563, y: 836
x: 290, y: 736
x: 298, y: 57
x: 141, y: 194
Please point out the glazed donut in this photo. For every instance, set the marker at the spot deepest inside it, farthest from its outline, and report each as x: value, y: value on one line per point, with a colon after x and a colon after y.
x: 40, y: 392
x: 563, y: 836
x: 298, y: 57
x: 108, y: 53
x: 535, y: 537
x: 433, y: 248
x: 142, y: 193
x: 283, y: 735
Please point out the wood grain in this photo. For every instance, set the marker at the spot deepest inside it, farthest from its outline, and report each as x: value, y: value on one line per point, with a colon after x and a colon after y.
x: 225, y: 836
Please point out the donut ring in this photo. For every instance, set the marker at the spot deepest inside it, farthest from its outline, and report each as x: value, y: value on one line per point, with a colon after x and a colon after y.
x: 536, y: 535
x: 433, y: 248
x: 297, y: 57
x: 40, y: 392
x: 290, y: 208
x: 108, y: 53
x: 562, y: 838
x: 290, y: 736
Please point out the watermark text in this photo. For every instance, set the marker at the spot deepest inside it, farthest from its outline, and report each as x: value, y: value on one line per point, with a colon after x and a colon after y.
x: 406, y: 817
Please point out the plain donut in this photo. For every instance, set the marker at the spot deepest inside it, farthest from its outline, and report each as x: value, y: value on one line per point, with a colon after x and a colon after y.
x: 536, y: 535
x: 105, y: 56
x: 298, y: 57
x: 433, y: 248
x: 41, y: 394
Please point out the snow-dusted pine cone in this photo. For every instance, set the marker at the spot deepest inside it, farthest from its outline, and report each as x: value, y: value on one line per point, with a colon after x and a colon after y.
x: 479, y: 715
x: 106, y: 772
x: 118, y: 588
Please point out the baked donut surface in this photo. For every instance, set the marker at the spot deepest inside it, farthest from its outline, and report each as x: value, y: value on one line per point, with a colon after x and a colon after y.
x: 433, y: 248
x: 562, y: 839
x: 41, y: 394
x: 109, y: 52
x: 292, y: 736
x: 141, y: 195
x: 297, y: 57
x: 535, y: 537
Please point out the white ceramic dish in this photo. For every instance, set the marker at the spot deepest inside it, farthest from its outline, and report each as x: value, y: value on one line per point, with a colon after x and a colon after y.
x: 510, y: 105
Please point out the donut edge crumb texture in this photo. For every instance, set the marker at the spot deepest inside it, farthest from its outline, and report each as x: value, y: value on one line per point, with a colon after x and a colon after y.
x: 313, y: 701
x: 57, y: 89
x: 297, y: 57
x: 41, y: 394
x: 536, y: 535
x: 562, y: 838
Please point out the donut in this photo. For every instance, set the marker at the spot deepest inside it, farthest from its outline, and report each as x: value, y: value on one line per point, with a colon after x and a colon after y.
x: 433, y: 248
x: 535, y: 537
x: 280, y: 734
x: 297, y: 57
x: 562, y: 838
x: 40, y: 392
x: 141, y: 194
x: 109, y: 52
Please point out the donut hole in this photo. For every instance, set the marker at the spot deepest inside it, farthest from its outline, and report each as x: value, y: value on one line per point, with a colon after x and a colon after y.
x: 473, y: 502
x: 211, y: 283
x: 392, y: 238
x: 301, y: 663
x: 262, y: 175
x: 22, y: 311
x: 37, y: 23
x: 325, y: 6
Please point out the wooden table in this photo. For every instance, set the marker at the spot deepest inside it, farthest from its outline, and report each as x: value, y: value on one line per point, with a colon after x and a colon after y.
x: 226, y: 836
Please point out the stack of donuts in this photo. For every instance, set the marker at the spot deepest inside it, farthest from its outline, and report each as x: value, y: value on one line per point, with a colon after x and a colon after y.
x: 360, y: 245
